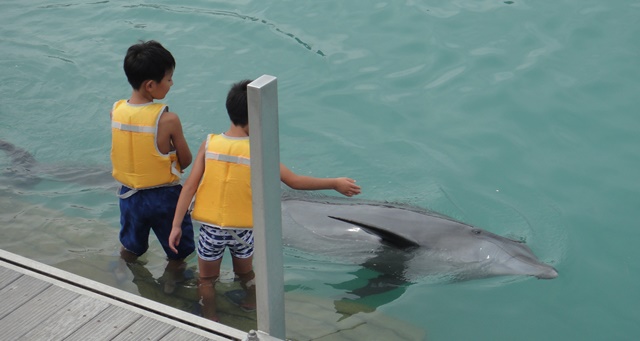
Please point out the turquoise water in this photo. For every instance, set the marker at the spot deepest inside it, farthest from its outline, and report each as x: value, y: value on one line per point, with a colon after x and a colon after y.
x: 515, y: 116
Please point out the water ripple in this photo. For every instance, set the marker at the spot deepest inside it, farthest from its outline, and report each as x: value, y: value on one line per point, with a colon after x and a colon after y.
x: 231, y: 14
x: 72, y: 5
x: 447, y: 76
x: 550, y: 45
x: 450, y: 9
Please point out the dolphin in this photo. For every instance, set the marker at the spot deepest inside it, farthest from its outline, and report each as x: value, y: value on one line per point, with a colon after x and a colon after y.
x: 405, y: 241
x: 25, y: 171
x: 21, y: 164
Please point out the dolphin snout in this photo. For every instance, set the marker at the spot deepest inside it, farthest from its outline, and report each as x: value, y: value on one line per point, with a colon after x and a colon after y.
x: 549, y: 273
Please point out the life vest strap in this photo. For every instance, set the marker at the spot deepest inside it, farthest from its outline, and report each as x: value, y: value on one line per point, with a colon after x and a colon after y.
x: 228, y: 158
x: 133, y: 191
x: 238, y: 239
x: 132, y: 128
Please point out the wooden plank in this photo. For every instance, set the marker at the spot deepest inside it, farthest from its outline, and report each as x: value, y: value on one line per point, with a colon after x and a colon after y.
x: 31, y: 314
x: 106, y: 325
x: 179, y: 334
x: 145, y: 328
x: 17, y: 293
x: 7, y: 276
x: 68, y: 319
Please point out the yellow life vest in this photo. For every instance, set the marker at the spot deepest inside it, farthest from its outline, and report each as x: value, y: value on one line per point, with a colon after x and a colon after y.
x: 223, y: 198
x: 137, y: 162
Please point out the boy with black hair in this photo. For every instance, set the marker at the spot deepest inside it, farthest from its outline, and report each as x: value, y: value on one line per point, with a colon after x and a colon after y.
x: 149, y: 153
x: 221, y: 182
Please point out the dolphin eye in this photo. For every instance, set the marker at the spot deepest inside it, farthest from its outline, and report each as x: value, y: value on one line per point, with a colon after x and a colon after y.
x: 476, y: 231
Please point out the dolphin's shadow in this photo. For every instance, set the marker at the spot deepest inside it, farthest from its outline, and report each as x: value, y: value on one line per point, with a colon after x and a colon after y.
x: 375, y: 283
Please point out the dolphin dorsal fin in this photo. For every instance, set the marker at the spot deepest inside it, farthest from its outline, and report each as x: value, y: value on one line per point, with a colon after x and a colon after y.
x: 386, y: 235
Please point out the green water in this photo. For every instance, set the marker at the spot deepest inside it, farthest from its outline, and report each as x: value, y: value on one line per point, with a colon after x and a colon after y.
x: 515, y: 116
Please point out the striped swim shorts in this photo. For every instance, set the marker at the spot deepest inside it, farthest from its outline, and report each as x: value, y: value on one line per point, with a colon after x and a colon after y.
x: 213, y: 241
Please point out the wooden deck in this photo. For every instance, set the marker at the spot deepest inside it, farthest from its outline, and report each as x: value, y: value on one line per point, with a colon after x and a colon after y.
x: 40, y: 302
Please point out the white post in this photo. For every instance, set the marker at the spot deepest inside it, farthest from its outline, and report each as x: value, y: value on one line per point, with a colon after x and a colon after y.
x: 262, y: 97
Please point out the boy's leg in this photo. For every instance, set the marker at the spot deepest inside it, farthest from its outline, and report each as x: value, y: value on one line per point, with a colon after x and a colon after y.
x: 210, y: 252
x: 161, y: 204
x: 134, y: 235
x: 127, y: 256
x: 121, y: 269
x: 242, y: 257
x: 209, y: 273
x: 173, y: 272
x: 164, y: 204
x: 134, y: 232
x: 243, y: 268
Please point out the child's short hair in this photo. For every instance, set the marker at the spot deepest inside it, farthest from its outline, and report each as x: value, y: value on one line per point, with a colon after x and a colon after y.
x: 147, y: 61
x: 237, y: 106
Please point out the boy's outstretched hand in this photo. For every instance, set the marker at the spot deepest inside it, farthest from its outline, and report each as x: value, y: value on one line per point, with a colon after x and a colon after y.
x: 347, y: 186
x: 174, y: 238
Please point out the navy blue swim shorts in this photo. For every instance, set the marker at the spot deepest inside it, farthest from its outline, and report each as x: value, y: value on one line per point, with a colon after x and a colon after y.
x: 153, y: 209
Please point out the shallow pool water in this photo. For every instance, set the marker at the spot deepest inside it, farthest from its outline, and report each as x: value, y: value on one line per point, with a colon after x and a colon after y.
x: 515, y: 116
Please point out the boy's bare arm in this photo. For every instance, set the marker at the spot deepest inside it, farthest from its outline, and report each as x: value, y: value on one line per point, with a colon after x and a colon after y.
x: 344, y: 186
x: 186, y: 195
x: 171, y: 137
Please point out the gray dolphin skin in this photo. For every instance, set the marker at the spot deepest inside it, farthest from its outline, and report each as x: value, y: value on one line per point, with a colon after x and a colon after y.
x: 21, y: 165
x: 407, y: 241
x: 25, y: 171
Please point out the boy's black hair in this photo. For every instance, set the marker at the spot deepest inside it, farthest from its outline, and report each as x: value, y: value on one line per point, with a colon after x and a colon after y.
x: 237, y: 106
x: 147, y: 61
